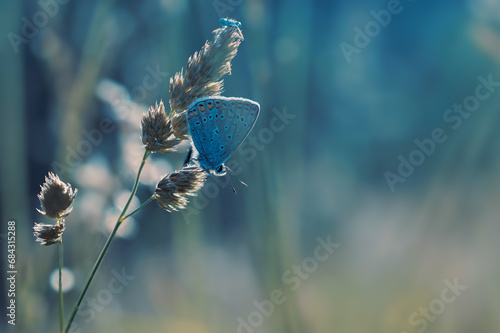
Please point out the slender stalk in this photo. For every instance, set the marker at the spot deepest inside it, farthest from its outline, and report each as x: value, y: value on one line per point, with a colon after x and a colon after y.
x: 153, y: 197
x: 61, y: 308
x: 134, y: 188
x: 108, y: 242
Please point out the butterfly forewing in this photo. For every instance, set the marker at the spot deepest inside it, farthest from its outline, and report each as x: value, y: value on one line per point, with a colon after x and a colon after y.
x: 218, y: 125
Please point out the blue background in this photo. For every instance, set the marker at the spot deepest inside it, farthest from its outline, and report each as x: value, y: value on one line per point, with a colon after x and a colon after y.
x: 320, y: 173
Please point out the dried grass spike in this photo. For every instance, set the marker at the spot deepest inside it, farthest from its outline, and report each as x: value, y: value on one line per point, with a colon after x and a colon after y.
x: 156, y: 130
x: 180, y: 126
x: 56, y: 197
x: 172, y: 191
x: 205, y: 69
x: 48, y: 234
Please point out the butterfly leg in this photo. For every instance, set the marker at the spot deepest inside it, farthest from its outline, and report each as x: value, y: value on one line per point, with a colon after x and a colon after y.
x: 188, y: 156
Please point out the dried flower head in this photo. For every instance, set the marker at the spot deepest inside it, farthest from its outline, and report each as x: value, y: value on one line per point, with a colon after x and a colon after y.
x: 172, y: 191
x: 205, y: 69
x: 156, y: 130
x: 56, y: 197
x: 180, y: 126
x: 48, y: 234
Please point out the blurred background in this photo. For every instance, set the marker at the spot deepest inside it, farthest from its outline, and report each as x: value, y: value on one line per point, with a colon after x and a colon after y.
x: 345, y: 88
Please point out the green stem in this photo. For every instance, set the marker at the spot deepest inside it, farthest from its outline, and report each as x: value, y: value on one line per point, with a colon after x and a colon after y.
x: 153, y: 197
x: 61, y: 308
x: 134, y: 189
x: 108, y: 242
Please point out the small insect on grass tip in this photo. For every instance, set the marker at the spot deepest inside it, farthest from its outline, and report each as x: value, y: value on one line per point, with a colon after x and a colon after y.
x: 228, y: 22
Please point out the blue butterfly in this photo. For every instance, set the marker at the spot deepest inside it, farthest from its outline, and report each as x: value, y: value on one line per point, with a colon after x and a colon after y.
x: 218, y: 125
x: 228, y: 22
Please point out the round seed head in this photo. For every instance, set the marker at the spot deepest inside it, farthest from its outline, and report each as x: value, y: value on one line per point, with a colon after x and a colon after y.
x: 56, y: 197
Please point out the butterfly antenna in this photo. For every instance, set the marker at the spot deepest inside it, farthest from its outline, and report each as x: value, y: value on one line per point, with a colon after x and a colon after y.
x: 230, y: 182
x: 188, y: 156
x: 242, y: 182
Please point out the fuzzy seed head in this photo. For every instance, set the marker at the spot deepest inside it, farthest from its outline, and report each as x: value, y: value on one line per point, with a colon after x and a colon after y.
x: 56, y: 197
x: 205, y: 69
x: 172, y: 191
x: 156, y: 130
x: 48, y: 234
x: 180, y: 125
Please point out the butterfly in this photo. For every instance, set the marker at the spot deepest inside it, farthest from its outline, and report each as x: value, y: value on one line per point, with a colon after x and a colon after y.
x: 228, y: 22
x: 217, y: 126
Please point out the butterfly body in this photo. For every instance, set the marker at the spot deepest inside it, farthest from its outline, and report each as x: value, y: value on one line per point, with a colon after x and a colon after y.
x: 217, y: 126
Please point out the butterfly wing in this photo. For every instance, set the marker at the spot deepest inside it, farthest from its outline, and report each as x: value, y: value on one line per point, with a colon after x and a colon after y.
x: 199, y: 126
x: 218, y: 125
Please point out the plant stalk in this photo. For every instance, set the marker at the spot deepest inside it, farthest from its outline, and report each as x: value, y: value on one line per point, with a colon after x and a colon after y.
x: 108, y: 242
x: 61, y: 307
x: 153, y: 197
